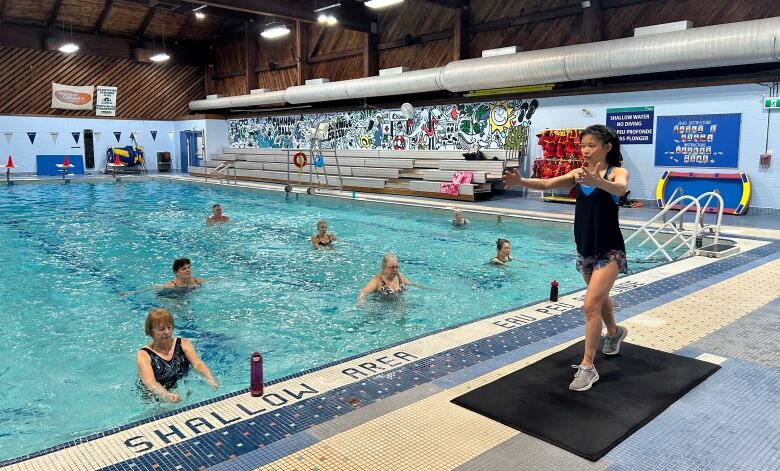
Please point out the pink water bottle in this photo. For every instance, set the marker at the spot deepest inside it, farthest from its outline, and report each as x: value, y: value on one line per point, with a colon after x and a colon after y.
x: 554, y: 291
x: 256, y: 374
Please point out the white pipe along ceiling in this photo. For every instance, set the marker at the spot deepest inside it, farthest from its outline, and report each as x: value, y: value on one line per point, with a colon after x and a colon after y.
x: 747, y: 42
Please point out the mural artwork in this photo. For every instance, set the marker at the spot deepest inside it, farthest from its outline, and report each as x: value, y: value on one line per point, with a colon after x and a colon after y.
x: 450, y: 127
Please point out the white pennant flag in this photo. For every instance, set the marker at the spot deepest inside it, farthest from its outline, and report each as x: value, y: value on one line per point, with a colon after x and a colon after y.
x: 54, y: 136
x: 96, y: 135
x: 170, y: 135
x: 8, y: 137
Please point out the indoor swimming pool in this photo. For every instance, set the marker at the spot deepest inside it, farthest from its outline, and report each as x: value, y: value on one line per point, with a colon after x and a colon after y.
x: 70, y: 250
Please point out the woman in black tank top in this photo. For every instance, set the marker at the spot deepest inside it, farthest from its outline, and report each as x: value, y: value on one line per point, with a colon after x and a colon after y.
x: 167, y: 359
x: 600, y: 248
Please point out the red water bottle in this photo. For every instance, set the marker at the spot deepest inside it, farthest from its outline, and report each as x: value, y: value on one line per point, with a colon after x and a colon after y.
x: 554, y: 291
x: 256, y: 374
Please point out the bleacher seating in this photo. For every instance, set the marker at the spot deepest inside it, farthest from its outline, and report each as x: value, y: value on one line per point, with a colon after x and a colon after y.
x: 400, y: 172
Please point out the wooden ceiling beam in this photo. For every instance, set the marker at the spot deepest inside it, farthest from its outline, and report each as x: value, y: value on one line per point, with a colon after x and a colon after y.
x: 352, y: 14
x: 2, y: 10
x: 145, y: 25
x: 184, y: 29
x: 453, y: 4
x: 103, y: 15
x: 302, y: 31
x: 213, y: 12
x: 591, y: 22
x: 55, y: 11
x: 317, y: 43
x: 460, y: 33
x: 526, y: 19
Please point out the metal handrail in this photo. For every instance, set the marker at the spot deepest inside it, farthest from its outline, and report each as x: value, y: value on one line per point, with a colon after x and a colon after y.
x: 685, y: 239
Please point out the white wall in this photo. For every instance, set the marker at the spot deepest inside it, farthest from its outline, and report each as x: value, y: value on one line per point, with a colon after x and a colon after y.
x: 24, y: 153
x: 561, y: 112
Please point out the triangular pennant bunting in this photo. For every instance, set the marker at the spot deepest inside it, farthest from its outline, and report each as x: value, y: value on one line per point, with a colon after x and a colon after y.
x: 96, y: 135
x: 154, y: 135
x: 170, y: 135
x: 76, y: 136
x: 54, y: 136
x: 8, y: 137
x: 136, y: 135
x: 31, y: 137
x: 117, y: 135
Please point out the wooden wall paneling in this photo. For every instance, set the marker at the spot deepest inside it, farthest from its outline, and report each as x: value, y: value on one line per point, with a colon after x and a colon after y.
x: 415, y: 18
x: 420, y: 56
x: 202, y: 30
x: 229, y: 57
x: 55, y: 12
x: 339, y: 69
x: 278, y: 79
x: 620, y: 22
x: 145, y: 91
x: 547, y: 34
x: 484, y: 11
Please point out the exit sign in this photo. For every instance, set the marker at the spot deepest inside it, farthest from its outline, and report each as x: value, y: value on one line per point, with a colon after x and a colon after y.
x: 772, y: 102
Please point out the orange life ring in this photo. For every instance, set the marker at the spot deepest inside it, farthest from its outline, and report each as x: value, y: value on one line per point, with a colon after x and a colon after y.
x: 300, y: 160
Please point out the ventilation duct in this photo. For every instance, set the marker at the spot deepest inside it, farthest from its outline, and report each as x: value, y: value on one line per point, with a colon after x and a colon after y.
x: 269, y: 98
x: 748, y: 42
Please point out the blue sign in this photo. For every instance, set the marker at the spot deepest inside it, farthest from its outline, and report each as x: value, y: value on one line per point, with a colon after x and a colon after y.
x: 705, y: 140
x: 633, y: 125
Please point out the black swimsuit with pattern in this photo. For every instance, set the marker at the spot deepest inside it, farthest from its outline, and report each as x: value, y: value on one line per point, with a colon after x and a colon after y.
x: 167, y: 373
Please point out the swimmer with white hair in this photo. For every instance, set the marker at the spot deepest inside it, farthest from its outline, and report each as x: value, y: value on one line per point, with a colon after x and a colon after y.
x: 458, y: 220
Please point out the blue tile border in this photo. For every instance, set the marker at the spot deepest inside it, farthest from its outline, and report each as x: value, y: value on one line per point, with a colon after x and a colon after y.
x: 466, y: 360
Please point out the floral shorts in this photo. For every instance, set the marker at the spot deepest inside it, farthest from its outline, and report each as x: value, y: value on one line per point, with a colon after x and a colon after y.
x: 586, y: 265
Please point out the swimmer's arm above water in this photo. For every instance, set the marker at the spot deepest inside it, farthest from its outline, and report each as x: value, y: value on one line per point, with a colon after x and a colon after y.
x: 371, y: 286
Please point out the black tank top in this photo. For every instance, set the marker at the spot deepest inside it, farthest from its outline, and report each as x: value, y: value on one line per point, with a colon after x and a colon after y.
x: 596, y: 227
x: 168, y: 372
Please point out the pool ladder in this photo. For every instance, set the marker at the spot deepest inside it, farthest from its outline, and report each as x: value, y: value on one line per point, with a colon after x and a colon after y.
x: 673, y: 227
x: 223, y: 171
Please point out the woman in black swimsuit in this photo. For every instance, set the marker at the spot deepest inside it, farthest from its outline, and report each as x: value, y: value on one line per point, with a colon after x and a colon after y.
x: 182, y: 269
x: 389, y: 282
x: 322, y: 239
x: 601, y: 252
x: 166, y: 359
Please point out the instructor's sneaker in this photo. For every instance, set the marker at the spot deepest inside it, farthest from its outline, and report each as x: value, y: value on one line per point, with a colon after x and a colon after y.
x: 583, y: 378
x: 612, y: 344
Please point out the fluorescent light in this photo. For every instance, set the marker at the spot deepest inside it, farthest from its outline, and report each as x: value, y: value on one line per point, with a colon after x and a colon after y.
x: 381, y: 3
x: 68, y: 48
x: 323, y: 18
x: 332, y: 20
x: 273, y: 31
x: 327, y: 7
x: 160, y: 57
x: 199, y: 15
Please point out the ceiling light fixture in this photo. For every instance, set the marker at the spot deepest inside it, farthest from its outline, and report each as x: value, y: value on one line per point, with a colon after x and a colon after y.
x: 381, y: 3
x: 332, y: 20
x: 68, y: 46
x: 198, y: 13
x: 326, y: 7
x: 275, y: 30
x: 160, y: 57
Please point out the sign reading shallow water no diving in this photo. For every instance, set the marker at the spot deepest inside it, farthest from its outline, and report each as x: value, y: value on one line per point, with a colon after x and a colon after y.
x: 633, y: 125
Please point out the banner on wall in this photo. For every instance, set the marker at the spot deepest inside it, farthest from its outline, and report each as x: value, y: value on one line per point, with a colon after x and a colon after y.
x: 67, y: 97
x: 8, y: 136
x: 117, y: 135
x: 54, y: 136
x: 154, y: 135
x: 633, y: 125
x: 708, y: 140
x: 96, y: 135
x: 76, y: 136
x: 31, y: 137
x: 170, y: 135
x: 106, y: 101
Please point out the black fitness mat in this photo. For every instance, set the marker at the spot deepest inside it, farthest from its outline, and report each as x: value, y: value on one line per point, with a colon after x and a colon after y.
x: 634, y: 387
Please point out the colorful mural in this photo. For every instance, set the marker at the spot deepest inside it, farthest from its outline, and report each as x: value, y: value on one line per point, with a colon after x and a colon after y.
x: 486, y: 125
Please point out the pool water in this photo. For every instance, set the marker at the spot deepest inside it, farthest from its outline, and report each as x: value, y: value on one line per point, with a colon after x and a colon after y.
x: 69, y: 250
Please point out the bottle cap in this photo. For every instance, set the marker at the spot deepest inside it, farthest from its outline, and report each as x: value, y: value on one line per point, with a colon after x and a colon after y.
x: 554, y: 283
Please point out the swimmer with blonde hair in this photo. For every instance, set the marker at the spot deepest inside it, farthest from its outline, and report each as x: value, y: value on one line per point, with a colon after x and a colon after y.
x: 389, y: 282
x: 322, y: 239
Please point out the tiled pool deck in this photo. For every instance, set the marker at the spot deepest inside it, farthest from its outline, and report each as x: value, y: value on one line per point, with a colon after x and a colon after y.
x: 390, y: 409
